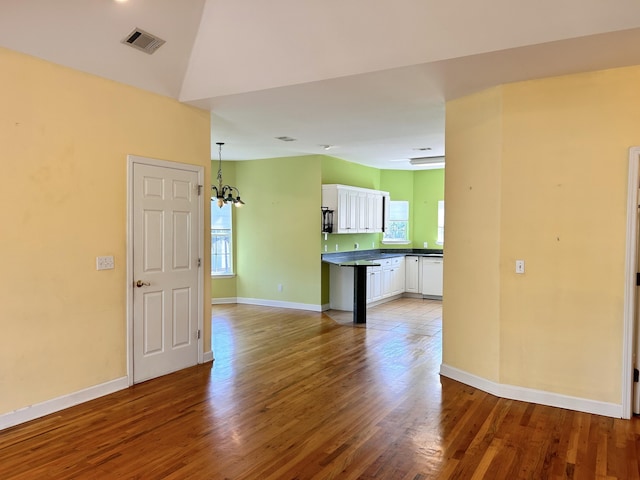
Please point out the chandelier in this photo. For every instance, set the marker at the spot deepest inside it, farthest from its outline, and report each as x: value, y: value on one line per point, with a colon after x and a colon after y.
x: 224, y: 193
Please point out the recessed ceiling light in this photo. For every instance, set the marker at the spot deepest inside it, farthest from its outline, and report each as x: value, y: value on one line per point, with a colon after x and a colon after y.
x: 121, y: 1
x: 327, y: 147
x: 422, y: 149
x: 286, y: 139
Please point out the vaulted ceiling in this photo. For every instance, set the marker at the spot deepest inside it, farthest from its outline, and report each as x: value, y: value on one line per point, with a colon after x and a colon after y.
x: 367, y: 77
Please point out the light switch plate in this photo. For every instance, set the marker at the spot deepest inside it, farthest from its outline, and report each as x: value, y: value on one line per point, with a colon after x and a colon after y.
x: 105, y: 263
x: 519, y: 266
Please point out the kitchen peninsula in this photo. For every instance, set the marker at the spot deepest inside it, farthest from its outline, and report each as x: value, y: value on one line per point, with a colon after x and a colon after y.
x: 382, y: 275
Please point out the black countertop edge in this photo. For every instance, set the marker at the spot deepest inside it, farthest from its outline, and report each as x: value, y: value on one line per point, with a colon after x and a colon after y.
x: 341, y: 257
x: 360, y: 263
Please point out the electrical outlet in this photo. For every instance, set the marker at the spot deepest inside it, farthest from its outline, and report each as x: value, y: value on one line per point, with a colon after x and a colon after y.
x: 105, y: 263
x: 519, y: 266
x: 356, y: 246
x: 425, y: 245
x: 337, y: 247
x: 325, y: 248
x: 279, y: 287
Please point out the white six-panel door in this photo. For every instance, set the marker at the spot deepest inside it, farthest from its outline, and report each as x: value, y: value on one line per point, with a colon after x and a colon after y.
x: 165, y: 270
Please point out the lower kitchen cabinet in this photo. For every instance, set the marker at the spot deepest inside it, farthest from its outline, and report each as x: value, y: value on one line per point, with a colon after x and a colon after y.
x: 432, y: 276
x: 412, y: 274
x: 374, y: 284
x: 394, y: 276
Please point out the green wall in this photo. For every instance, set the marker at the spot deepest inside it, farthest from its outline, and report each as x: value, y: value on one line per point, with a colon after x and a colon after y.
x: 428, y: 190
x: 399, y: 184
x: 336, y: 170
x: 278, y: 230
x: 422, y: 189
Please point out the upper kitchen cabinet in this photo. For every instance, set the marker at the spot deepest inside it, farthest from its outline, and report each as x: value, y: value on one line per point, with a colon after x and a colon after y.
x: 356, y: 210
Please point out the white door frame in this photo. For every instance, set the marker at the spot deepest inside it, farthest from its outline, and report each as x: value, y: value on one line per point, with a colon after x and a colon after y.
x: 630, y: 289
x: 131, y: 161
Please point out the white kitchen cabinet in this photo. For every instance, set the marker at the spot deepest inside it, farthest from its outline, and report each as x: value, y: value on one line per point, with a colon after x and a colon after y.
x: 344, y: 203
x: 374, y: 284
x: 341, y: 286
x: 412, y: 274
x: 392, y: 276
x: 374, y: 212
x: 432, y: 276
x: 387, y: 282
x: 356, y: 210
x: 399, y: 275
x: 363, y: 217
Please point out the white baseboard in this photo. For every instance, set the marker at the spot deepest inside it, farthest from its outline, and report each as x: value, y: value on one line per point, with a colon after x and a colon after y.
x: 207, y: 357
x: 533, y: 396
x: 271, y: 303
x: 219, y: 301
x: 56, y: 404
x: 277, y: 303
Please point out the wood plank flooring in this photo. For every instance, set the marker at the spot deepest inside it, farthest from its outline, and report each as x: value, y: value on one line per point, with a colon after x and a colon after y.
x: 299, y: 395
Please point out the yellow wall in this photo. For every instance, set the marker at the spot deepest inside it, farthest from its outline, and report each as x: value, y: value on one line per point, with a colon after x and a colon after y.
x: 561, y: 188
x: 64, y: 140
x: 471, y: 304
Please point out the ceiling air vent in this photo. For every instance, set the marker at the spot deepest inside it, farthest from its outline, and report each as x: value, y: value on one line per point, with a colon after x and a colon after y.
x: 143, y: 41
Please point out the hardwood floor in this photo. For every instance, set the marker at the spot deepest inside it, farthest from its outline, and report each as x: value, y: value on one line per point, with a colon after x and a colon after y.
x: 299, y: 395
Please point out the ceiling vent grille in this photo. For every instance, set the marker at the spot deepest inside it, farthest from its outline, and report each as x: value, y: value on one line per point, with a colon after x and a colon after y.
x: 143, y: 41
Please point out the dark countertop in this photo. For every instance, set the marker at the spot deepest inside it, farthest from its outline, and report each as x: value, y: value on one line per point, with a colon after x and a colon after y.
x: 342, y: 258
x: 360, y: 263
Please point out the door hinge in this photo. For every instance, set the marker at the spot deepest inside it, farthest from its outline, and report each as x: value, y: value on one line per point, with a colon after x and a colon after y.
x: 199, y: 262
x: 637, y: 279
x: 200, y: 187
x: 198, y: 334
x: 636, y: 374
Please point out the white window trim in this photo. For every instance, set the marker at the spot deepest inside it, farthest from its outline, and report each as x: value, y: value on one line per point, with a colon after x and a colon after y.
x: 398, y: 241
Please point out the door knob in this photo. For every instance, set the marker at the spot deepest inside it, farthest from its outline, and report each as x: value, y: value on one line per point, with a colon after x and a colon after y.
x: 140, y: 283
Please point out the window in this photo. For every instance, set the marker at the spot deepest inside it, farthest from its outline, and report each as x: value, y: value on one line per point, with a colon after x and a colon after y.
x: 440, y: 239
x: 221, y: 239
x: 398, y: 227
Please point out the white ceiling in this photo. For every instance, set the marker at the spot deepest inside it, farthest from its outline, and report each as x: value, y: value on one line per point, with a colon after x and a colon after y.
x: 369, y: 77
